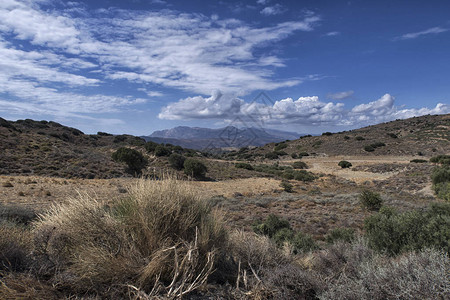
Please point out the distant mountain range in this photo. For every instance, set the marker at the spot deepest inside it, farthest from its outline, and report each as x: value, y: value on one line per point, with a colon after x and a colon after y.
x: 227, y: 137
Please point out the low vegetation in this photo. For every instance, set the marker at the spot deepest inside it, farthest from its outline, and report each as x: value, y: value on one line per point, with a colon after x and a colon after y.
x: 133, y: 158
x: 370, y: 200
x: 344, y: 164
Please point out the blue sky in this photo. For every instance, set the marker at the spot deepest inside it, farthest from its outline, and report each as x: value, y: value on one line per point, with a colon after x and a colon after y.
x: 144, y: 65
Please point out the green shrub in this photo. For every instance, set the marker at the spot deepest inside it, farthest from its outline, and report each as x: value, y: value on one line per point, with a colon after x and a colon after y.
x: 161, y: 150
x: 441, y: 159
x: 378, y: 144
x: 327, y: 133
x: 133, y: 158
x: 301, y: 154
x: 392, y: 232
x: 271, y: 155
x: 119, y: 138
x: 280, y: 146
x: 294, y: 155
x: 346, y: 137
x: 340, y: 234
x: 370, y: 200
x: 359, y: 138
x: 442, y: 190
x: 440, y: 175
x: 418, y: 161
x: 271, y: 225
x: 392, y: 135
x: 304, y: 176
x: 299, y: 165
x: 302, y: 243
x: 369, y: 148
x: 344, y: 164
x: 280, y: 153
x: 194, y: 168
x: 287, y: 187
x: 176, y: 161
x: 150, y: 146
x: 283, y: 235
x: 244, y: 166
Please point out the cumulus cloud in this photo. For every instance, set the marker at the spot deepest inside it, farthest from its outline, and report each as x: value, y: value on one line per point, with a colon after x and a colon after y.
x: 413, y: 35
x: 304, y: 110
x: 75, y: 52
x: 340, y: 95
x: 276, y: 9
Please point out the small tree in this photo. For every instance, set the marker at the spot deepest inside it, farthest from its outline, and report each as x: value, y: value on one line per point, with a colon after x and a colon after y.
x: 344, y: 164
x: 194, y: 168
x: 176, y: 161
x: 160, y: 150
x: 133, y: 158
x: 287, y: 187
x: 370, y: 200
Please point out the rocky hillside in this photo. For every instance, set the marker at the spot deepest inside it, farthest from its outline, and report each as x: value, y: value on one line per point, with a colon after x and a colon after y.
x: 425, y: 135
x: 51, y: 149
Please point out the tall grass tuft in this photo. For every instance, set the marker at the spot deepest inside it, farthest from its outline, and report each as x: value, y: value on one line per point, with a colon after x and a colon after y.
x: 161, y: 239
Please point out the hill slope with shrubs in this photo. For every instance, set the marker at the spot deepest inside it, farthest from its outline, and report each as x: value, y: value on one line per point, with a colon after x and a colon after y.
x: 425, y: 135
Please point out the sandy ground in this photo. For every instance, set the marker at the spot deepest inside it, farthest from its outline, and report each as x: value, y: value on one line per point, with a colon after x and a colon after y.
x: 329, y: 165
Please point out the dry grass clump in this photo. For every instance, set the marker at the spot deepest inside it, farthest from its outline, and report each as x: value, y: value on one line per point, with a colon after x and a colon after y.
x: 14, y: 247
x: 162, y: 239
x: 415, y: 275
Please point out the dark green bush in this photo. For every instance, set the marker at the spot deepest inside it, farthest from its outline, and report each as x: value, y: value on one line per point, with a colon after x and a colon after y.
x: 133, y: 158
x: 287, y: 187
x: 340, y: 234
x: 294, y: 155
x: 299, y: 165
x: 442, y: 190
x: 418, y: 161
x: 304, y: 176
x: 301, y: 154
x: 441, y: 159
x: 370, y: 200
x: 369, y: 148
x: 244, y: 166
x: 303, y: 243
x: 392, y: 232
x: 392, y: 135
x: 441, y: 175
x: 283, y: 235
x: 119, y: 138
x: 359, y: 138
x: 271, y: 155
x: 344, y: 164
x: 346, y: 137
x: 271, y: 226
x: 150, y: 146
x: 161, y: 150
x: 194, y: 168
x: 280, y: 146
x: 280, y: 153
x: 378, y: 144
x: 176, y: 161
x: 327, y: 133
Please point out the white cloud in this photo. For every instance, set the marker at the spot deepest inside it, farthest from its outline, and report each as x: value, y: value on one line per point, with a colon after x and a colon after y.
x: 414, y: 35
x: 263, y: 2
x: 304, y: 110
x: 332, y: 33
x: 340, y: 95
x: 276, y: 9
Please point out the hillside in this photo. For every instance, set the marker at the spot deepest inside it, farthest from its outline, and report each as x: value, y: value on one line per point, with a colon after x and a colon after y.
x: 51, y: 149
x: 425, y: 135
